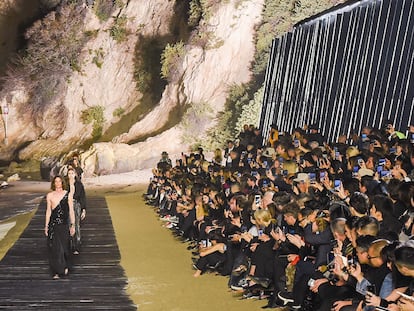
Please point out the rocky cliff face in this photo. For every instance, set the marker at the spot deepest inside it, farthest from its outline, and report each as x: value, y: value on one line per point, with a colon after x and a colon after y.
x: 106, y: 79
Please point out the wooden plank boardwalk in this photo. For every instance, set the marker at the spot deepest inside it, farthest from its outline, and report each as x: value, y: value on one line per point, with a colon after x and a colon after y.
x: 96, y: 281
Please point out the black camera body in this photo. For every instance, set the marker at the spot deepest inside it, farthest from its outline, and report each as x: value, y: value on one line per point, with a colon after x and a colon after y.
x: 352, y: 260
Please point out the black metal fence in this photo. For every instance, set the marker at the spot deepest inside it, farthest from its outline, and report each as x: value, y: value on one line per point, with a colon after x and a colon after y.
x: 347, y: 68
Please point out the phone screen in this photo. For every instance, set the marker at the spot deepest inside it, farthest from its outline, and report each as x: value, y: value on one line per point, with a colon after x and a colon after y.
x: 257, y: 199
x: 312, y: 177
x: 337, y: 184
x: 385, y: 173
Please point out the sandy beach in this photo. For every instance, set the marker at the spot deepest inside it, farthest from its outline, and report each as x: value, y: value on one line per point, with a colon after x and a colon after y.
x: 158, y: 267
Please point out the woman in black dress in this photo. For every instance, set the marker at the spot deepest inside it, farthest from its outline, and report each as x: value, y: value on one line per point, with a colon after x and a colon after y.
x: 58, y: 210
x: 79, y: 206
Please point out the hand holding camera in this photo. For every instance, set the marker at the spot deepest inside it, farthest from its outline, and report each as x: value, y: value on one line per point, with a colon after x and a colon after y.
x: 314, y: 284
x: 295, y: 239
x: 355, y: 271
x: 278, y: 235
x: 371, y: 299
x: 269, y: 174
x: 263, y: 237
x: 338, y: 265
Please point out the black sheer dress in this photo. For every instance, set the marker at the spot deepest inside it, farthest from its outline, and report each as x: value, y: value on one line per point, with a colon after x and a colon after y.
x: 58, y: 240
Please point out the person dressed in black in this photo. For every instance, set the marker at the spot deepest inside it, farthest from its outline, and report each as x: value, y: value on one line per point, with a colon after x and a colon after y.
x: 58, y: 210
x: 75, y: 163
x: 79, y: 206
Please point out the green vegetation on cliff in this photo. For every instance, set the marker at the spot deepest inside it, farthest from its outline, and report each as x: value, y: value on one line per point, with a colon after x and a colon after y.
x: 94, y: 115
x: 104, y: 8
x: 170, y: 59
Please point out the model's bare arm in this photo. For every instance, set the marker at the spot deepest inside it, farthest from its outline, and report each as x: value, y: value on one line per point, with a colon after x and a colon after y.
x: 71, y: 214
x: 48, y: 212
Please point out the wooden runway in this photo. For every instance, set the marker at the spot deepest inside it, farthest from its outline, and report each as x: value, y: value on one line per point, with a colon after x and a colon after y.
x: 95, y: 282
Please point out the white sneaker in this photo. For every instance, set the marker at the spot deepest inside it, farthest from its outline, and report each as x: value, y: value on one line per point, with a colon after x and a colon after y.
x: 174, y: 219
x: 170, y: 225
x: 237, y: 288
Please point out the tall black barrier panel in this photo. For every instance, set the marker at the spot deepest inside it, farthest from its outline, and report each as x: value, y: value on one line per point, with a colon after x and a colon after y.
x: 344, y: 69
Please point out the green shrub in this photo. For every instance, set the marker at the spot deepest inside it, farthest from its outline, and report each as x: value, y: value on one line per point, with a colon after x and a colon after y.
x: 98, y: 57
x: 208, y: 7
x: 103, y: 9
x: 250, y: 113
x: 92, y: 33
x: 142, y: 79
x: 118, y: 31
x: 118, y: 112
x: 219, y: 134
x: 147, y: 65
x: 225, y: 128
x: 197, y: 117
x: 94, y: 115
x: 194, y: 13
x: 170, y: 60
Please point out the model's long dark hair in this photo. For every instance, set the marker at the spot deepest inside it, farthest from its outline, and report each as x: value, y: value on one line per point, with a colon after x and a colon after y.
x: 64, y: 185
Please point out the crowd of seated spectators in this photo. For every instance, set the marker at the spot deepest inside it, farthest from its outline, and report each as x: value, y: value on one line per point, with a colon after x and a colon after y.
x: 305, y: 224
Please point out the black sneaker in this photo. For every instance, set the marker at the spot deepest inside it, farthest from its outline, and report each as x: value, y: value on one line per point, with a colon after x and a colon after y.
x: 262, y: 281
x: 285, y: 297
x: 272, y: 304
x: 251, y: 295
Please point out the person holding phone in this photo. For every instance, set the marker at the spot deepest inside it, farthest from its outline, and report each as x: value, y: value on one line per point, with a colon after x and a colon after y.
x: 369, y: 273
x: 405, y: 265
x: 392, y: 286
